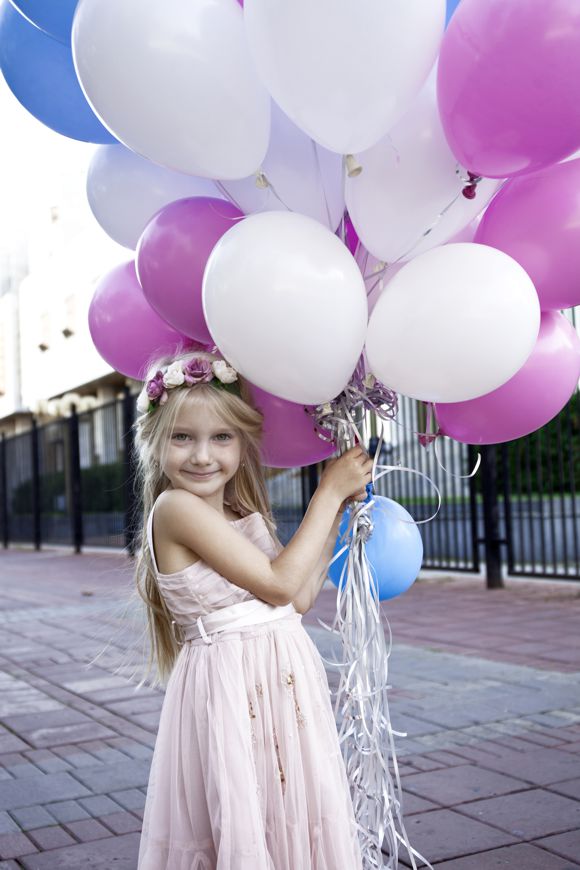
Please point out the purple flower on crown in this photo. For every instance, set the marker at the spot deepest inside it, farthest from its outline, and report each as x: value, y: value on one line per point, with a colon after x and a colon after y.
x: 197, y: 371
x: 155, y: 387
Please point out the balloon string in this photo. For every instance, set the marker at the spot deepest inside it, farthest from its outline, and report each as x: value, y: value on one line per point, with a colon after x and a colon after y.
x: 321, y: 182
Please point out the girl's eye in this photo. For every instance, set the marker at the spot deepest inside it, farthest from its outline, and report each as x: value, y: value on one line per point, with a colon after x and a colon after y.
x: 224, y: 436
x: 179, y: 436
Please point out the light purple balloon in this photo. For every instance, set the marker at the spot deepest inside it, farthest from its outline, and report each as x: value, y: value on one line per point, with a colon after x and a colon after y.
x: 289, y: 438
x: 172, y: 254
x: 535, y: 219
x: 527, y: 401
x: 507, y: 84
x: 125, y: 330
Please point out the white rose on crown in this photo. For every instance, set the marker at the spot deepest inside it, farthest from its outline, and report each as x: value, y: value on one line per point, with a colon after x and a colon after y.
x: 143, y: 401
x: 223, y: 372
x: 174, y: 376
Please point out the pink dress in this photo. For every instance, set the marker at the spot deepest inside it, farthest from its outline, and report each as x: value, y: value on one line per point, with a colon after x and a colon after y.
x: 247, y: 772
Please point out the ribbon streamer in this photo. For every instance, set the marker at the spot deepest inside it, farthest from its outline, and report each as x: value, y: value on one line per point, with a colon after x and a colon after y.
x: 366, y: 736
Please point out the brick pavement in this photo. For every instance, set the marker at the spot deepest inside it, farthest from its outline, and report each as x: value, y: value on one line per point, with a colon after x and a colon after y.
x: 485, y: 684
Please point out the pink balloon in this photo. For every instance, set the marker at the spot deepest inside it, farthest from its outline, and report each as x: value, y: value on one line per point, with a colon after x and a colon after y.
x: 506, y: 84
x: 172, y: 255
x: 527, y: 401
x: 535, y: 220
x: 125, y: 330
x: 289, y: 438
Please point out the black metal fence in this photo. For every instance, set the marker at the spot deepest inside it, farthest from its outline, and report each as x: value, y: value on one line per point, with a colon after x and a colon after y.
x: 69, y: 482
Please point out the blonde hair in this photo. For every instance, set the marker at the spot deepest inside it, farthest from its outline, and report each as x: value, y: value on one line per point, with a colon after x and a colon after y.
x: 246, y: 492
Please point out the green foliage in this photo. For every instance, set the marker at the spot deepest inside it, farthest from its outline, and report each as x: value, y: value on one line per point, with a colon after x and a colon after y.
x: 101, y: 491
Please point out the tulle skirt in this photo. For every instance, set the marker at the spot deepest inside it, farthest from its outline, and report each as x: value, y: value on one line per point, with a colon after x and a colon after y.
x: 247, y: 773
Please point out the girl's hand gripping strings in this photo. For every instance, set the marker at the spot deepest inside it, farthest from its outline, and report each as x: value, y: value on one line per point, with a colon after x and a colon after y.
x: 344, y: 473
x: 187, y: 521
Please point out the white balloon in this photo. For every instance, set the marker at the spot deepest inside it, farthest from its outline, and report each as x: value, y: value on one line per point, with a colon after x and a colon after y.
x: 125, y: 191
x: 302, y: 177
x: 453, y: 324
x: 285, y: 303
x: 410, y: 185
x: 343, y: 70
x: 174, y: 81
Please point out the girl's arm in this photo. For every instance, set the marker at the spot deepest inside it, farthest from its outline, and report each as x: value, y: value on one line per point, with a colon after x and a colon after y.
x: 309, y: 593
x: 187, y: 520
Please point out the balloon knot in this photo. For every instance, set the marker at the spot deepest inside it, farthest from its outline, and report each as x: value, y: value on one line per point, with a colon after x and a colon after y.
x: 353, y: 167
x: 470, y: 190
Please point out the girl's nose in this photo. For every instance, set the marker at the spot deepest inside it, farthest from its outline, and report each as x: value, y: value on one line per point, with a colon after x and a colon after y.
x: 201, y: 454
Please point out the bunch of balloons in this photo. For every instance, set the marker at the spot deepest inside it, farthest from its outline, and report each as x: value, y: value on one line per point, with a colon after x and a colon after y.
x: 286, y: 169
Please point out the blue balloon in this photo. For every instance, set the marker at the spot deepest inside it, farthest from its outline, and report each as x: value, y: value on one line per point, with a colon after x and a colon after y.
x: 451, y: 7
x: 53, y: 16
x: 394, y: 550
x: 40, y: 73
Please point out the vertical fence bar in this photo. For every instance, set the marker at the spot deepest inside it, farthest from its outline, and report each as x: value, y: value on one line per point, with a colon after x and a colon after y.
x: 473, y: 512
x: 36, y: 496
x: 75, y: 481
x: 491, y: 517
x: 507, y: 503
x: 130, y: 498
x: 4, y: 493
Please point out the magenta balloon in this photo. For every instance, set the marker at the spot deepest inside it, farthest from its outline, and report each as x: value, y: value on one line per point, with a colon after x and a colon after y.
x: 125, y: 330
x: 507, y: 77
x: 351, y: 236
x: 535, y: 220
x: 172, y: 254
x: 289, y: 438
x: 527, y: 401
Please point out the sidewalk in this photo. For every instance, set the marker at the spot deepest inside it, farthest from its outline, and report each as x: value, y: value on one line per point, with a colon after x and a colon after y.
x: 486, y: 685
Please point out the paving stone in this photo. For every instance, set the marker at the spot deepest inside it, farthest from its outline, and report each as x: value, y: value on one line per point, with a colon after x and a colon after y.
x: 567, y: 845
x: 15, y: 845
x: 510, y: 857
x: 11, y: 743
x: 56, y: 736
x: 444, y: 834
x: 87, y: 830
x: 131, y: 747
x: 454, y: 785
x: 53, y: 837
x: 527, y: 815
x: 75, y: 756
x: 40, y: 790
x: 18, y: 766
x: 100, y: 805
x: 115, y: 777
x: 47, y: 761
x: 9, y: 865
x: 121, y: 822
x: 133, y: 799
x: 119, y: 853
x: 8, y: 825
x: 49, y: 719
x: 67, y: 811
x: 540, y: 767
x: 32, y: 817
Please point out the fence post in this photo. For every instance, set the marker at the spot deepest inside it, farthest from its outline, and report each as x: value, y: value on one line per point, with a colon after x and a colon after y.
x: 75, y: 478
x: 492, y: 537
x: 35, y: 464
x: 129, y: 470
x: 4, y: 492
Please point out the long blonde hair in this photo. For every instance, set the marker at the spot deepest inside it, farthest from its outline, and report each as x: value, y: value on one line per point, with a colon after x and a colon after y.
x: 246, y: 492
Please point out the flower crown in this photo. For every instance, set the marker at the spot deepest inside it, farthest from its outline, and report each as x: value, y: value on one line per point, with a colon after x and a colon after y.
x: 186, y: 373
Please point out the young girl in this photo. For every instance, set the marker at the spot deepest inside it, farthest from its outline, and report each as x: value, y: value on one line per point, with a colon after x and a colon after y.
x: 247, y: 772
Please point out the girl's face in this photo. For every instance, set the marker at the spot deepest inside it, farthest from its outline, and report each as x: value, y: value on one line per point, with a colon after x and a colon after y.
x: 203, y: 454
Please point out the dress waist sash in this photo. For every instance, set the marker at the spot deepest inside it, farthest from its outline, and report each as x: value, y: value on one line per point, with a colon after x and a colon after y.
x: 235, y: 617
